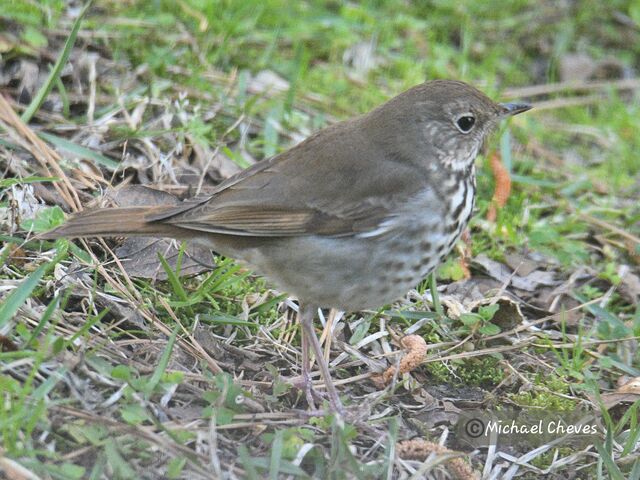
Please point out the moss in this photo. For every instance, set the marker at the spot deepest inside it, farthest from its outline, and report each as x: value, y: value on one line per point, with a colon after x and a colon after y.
x: 547, y: 395
x: 546, y: 459
x: 484, y: 371
x: 439, y: 372
x: 481, y: 371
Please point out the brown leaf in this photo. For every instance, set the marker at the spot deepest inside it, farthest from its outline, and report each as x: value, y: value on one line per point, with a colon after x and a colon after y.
x: 7, y: 345
x: 629, y: 284
x: 139, y: 255
x: 267, y: 81
x: 579, y: 67
x: 504, y: 274
x: 473, y: 289
x: 520, y: 263
x: 507, y: 316
x: 139, y: 195
x: 627, y: 393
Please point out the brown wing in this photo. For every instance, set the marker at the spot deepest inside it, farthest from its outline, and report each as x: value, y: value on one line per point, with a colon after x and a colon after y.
x: 276, y: 221
x: 316, y: 188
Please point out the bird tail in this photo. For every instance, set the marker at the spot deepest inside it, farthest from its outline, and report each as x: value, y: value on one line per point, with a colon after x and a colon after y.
x: 114, y: 222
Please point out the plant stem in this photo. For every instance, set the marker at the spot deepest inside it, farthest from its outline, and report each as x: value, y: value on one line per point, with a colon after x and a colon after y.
x: 434, y: 295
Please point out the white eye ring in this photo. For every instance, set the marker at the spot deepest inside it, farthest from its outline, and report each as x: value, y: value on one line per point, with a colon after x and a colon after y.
x: 465, y: 122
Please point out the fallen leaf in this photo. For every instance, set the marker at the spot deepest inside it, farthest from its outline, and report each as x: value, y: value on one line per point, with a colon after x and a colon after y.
x: 520, y: 263
x: 504, y: 274
x: 627, y: 393
x: 473, y: 289
x: 579, y: 67
x: 137, y: 195
x: 508, y: 316
x: 267, y: 81
x: 139, y: 255
x: 7, y: 345
x: 629, y: 284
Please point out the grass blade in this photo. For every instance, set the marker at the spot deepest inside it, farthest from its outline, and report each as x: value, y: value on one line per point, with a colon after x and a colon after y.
x: 276, y: 454
x: 247, y: 463
x: 37, y: 101
x: 20, y: 295
x: 79, y: 151
x: 612, y: 468
x: 162, y: 364
x: 173, y: 279
x: 53, y: 305
x: 9, y: 182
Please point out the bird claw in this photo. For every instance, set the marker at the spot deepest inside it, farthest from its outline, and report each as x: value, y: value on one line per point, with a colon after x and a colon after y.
x: 304, y: 384
x: 352, y: 415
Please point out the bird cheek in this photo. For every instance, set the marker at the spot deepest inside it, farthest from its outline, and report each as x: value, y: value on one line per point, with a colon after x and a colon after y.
x: 431, y: 131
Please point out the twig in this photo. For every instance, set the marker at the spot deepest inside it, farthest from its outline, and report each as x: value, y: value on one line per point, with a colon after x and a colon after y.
x: 48, y: 158
x: 608, y: 226
x: 538, y: 90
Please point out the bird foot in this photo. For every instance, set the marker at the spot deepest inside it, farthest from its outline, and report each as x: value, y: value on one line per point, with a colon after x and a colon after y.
x: 304, y: 384
x: 353, y: 415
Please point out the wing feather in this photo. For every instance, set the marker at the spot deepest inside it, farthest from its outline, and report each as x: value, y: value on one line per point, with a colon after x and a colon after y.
x: 295, y: 193
x: 264, y: 221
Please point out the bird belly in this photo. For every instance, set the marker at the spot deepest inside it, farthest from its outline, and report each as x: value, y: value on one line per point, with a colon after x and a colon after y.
x: 347, y: 273
x: 358, y: 272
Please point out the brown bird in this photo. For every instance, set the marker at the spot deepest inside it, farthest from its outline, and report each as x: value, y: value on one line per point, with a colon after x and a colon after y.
x: 351, y: 218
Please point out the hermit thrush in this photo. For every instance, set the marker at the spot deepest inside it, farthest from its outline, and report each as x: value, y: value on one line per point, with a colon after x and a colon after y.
x: 352, y: 217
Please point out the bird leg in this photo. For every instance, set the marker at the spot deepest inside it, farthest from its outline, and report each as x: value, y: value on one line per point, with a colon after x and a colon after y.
x: 307, y: 314
x: 306, y: 374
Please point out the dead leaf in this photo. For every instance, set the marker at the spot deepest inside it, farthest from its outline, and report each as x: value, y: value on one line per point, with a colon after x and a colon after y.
x: 219, y: 166
x: 609, y: 69
x: 629, y: 284
x: 473, y: 289
x: 137, y: 195
x: 222, y: 167
x: 267, y: 81
x: 520, y: 263
x: 576, y: 67
x: 7, y: 345
x: 139, y: 255
x: 627, y: 393
x: 504, y: 274
x: 508, y: 316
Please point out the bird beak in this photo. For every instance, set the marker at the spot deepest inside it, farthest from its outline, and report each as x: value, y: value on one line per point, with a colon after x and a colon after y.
x: 511, y: 109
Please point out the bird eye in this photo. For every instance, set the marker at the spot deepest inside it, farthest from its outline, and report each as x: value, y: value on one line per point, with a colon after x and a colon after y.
x: 465, y: 123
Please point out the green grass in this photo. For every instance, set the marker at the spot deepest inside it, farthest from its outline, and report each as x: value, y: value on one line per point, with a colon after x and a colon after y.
x: 106, y: 380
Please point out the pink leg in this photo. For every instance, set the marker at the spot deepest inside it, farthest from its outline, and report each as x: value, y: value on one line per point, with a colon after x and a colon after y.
x: 307, y: 314
x: 306, y: 375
